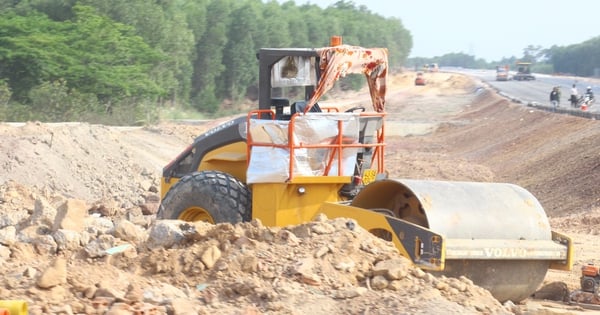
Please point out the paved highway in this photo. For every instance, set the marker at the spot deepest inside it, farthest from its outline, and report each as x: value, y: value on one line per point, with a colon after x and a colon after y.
x: 537, y: 92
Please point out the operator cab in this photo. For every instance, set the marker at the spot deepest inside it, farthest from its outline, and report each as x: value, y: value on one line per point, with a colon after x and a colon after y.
x: 288, y: 78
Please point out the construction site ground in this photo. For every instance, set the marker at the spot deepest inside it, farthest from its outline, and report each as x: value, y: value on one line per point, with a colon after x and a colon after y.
x: 78, y: 235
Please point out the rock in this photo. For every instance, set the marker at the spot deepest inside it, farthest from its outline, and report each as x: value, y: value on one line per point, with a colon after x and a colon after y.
x: 210, y: 256
x: 134, y: 293
x: 29, y: 272
x: 321, y: 251
x: 13, y: 218
x: 8, y: 235
x: 392, y: 269
x: 184, y: 307
x: 345, y: 265
x: 151, y: 204
x: 43, y: 213
x: 67, y: 239
x: 457, y: 284
x: 128, y: 231
x: 35, y: 235
x: 145, y: 185
x: 162, y: 293
x: 106, y: 207
x: 442, y: 286
x: 107, y: 289
x: 379, y: 283
x: 136, y: 216
x: 249, y: 263
x: 165, y: 234
x: 98, y: 247
x: 55, y: 274
x: 99, y: 225
x: 302, y: 231
x: 70, y: 215
x: 287, y: 237
x: 555, y: 291
x: 322, y: 228
x: 349, y: 293
x: 23, y: 252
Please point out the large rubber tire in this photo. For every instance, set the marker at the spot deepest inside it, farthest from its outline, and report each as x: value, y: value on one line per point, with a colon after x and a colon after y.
x: 210, y: 196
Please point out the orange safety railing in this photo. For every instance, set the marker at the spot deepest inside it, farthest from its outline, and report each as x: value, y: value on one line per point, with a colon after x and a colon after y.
x: 337, y: 144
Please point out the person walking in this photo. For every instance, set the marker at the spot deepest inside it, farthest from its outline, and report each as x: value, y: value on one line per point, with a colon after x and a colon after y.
x: 554, y: 98
x: 574, y: 96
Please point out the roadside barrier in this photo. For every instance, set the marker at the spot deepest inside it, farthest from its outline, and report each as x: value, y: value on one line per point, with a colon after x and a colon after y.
x: 568, y: 111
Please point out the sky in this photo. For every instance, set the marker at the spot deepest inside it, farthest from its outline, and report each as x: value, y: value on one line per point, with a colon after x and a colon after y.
x: 488, y: 29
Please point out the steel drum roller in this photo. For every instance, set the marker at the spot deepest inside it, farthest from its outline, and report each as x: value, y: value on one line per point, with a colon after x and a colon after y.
x: 496, y: 234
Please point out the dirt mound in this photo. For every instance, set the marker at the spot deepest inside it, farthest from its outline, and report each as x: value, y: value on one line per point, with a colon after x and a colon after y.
x: 321, y: 267
x: 553, y: 156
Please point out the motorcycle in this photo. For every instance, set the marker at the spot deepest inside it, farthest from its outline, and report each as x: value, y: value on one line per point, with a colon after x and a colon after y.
x: 585, y: 102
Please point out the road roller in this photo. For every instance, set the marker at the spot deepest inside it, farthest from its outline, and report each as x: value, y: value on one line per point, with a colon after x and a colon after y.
x: 292, y: 159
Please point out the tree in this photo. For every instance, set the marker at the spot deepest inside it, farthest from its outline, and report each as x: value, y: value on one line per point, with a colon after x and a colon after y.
x: 273, y: 28
x: 93, y: 54
x: 239, y: 56
x: 208, y: 65
x: 163, y: 26
x: 33, y: 49
x: 111, y: 61
x: 532, y: 53
x: 155, y: 51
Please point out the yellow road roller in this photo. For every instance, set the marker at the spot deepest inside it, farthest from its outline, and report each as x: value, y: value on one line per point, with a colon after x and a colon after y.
x: 292, y: 159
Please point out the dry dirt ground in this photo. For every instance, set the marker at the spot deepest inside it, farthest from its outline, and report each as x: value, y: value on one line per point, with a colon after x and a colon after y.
x: 78, y: 235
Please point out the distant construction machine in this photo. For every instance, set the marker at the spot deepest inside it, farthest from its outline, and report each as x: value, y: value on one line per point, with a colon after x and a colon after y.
x: 523, y: 72
x: 502, y: 73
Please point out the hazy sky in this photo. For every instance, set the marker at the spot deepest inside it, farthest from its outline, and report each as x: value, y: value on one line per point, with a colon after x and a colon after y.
x: 489, y: 29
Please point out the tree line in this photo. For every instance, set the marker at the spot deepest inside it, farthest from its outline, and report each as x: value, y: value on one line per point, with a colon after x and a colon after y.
x: 115, y: 61
x: 581, y: 59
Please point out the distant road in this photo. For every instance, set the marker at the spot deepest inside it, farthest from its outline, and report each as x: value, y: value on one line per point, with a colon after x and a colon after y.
x: 537, y: 92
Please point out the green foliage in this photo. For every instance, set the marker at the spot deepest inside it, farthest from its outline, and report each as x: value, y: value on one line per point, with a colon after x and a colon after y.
x: 118, y: 61
x: 546, y: 68
x: 5, y: 93
x: 353, y: 82
x: 581, y: 59
x: 16, y: 112
x: 206, y: 101
x: 111, y: 59
x: 93, y: 54
x: 240, y: 55
x: 32, y: 49
x: 164, y: 27
x: 208, y: 65
x: 54, y: 101
x: 123, y: 62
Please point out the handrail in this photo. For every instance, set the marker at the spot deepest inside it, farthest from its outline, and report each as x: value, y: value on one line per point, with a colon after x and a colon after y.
x: 336, y: 146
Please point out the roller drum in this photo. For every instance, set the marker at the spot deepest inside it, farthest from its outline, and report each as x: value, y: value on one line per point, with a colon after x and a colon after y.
x: 506, y: 223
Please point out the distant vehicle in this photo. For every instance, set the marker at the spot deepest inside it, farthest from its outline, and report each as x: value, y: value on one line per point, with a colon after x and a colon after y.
x: 585, y: 101
x: 524, y: 72
x: 502, y: 73
x: 431, y: 67
x: 434, y: 67
x: 419, y: 80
